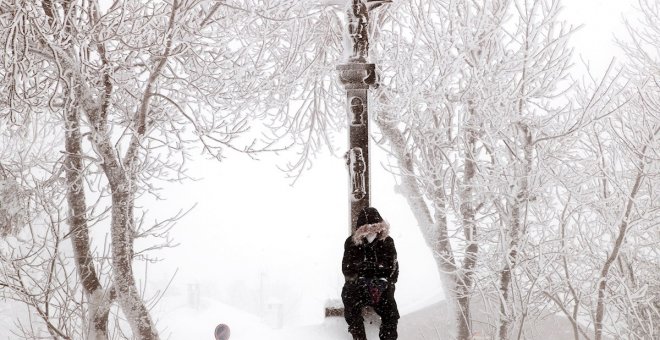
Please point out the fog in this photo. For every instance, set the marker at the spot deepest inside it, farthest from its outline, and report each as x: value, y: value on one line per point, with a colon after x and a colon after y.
x: 255, y: 247
x: 254, y: 238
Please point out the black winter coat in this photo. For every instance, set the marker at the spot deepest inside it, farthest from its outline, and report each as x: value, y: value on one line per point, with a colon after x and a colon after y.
x: 370, y: 260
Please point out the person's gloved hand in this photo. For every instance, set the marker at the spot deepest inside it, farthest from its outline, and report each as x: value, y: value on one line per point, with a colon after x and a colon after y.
x: 369, y: 267
x: 382, y: 283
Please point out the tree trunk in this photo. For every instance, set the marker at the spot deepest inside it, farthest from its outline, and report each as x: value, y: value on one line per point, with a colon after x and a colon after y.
x: 464, y: 317
x: 516, y: 232
x: 618, y: 243
x: 468, y: 213
x: 98, y: 302
x: 122, y: 235
x: 98, y: 311
x: 128, y: 296
x: 623, y: 229
x: 434, y: 232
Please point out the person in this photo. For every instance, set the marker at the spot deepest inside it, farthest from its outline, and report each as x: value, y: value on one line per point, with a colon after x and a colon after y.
x: 370, y: 270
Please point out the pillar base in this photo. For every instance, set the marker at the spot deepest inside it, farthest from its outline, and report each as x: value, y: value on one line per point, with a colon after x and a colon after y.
x: 334, y: 308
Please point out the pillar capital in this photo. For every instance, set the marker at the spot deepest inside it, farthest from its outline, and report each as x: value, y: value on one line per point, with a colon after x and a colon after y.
x: 357, y: 75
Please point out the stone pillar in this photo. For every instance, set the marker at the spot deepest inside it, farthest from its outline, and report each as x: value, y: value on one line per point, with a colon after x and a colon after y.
x: 357, y: 78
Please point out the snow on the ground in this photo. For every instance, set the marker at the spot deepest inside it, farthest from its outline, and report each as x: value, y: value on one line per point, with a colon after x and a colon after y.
x: 179, y: 321
x: 432, y: 322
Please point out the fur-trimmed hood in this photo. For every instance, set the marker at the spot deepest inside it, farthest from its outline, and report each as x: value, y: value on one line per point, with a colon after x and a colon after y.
x: 381, y: 228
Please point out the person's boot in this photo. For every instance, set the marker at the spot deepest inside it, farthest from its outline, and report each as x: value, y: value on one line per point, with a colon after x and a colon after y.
x: 359, y: 335
x: 388, y: 331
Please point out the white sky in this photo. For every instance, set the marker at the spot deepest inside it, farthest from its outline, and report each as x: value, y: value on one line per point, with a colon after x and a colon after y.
x: 601, y: 20
x: 252, y: 229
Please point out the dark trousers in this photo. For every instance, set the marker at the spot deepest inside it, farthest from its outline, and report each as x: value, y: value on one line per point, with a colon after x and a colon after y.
x: 355, y: 296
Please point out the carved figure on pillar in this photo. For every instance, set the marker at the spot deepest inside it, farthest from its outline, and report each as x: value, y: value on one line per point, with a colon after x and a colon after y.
x: 357, y: 109
x: 357, y: 167
x: 358, y: 25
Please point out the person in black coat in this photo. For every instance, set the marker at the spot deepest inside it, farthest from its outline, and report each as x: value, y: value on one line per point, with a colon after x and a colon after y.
x: 370, y: 269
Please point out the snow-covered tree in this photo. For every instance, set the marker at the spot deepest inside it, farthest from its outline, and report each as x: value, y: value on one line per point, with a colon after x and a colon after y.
x: 471, y: 98
x: 34, y: 266
x: 132, y: 86
x: 608, y: 190
x: 609, y: 183
x: 492, y: 154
